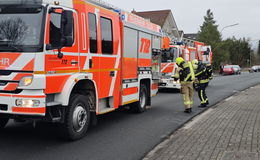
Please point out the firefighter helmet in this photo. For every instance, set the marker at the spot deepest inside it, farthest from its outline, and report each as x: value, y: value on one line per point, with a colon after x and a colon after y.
x: 179, y: 60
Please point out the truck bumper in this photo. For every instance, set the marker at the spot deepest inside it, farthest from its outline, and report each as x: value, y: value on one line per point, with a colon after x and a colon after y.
x: 169, y: 84
x: 23, y: 104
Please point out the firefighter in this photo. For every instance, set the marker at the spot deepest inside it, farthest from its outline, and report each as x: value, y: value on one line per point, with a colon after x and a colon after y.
x: 186, y: 76
x: 203, y: 75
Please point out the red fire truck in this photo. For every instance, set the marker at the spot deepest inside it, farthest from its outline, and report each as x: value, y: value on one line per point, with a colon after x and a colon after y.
x: 67, y: 61
x: 169, y: 68
x: 204, y: 52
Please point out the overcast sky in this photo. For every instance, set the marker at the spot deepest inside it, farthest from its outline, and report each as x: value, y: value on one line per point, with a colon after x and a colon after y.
x: 189, y: 14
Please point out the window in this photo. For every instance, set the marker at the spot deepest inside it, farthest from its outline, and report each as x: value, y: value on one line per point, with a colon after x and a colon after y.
x: 83, y: 17
x: 170, y: 55
x: 92, y: 32
x: 21, y: 29
x: 55, y: 30
x: 106, y: 35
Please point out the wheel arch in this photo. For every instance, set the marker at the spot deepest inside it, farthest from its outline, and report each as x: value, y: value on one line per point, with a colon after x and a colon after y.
x: 147, y: 82
x: 86, y: 87
x: 78, y: 83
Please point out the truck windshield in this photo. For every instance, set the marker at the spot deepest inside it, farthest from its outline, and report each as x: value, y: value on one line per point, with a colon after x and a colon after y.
x: 21, y: 29
x: 170, y: 55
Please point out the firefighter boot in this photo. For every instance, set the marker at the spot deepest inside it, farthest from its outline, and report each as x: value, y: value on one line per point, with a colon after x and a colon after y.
x: 187, y: 110
x: 202, y: 105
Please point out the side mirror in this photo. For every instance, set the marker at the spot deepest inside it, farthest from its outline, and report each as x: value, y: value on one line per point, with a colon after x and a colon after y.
x: 206, y: 53
x: 67, y: 28
x: 61, y: 30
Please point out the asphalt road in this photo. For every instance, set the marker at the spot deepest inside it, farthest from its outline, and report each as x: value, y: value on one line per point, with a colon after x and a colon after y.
x: 120, y: 135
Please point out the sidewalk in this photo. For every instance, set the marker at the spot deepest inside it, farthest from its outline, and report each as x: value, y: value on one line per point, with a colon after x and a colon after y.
x: 228, y: 131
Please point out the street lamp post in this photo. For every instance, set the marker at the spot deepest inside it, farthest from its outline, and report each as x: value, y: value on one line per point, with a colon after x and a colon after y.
x: 232, y: 25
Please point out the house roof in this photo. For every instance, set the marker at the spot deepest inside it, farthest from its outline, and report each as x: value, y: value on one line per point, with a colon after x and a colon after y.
x: 193, y: 36
x: 158, y: 17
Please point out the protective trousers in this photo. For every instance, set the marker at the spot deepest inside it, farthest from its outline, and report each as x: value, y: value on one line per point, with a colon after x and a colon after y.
x: 187, y: 92
x: 202, y: 93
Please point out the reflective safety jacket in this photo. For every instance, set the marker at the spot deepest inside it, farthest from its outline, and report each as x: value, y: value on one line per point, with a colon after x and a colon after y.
x: 201, y: 74
x: 185, y: 73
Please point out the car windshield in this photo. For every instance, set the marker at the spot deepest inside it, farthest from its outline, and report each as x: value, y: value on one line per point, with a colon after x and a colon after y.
x: 21, y: 29
x: 227, y: 66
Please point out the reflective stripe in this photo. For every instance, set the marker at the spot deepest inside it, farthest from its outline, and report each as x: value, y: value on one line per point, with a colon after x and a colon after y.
x: 185, y: 101
x: 188, y: 77
x: 204, y: 70
x: 191, y: 72
x: 204, y: 81
x: 201, y: 96
x: 190, y: 102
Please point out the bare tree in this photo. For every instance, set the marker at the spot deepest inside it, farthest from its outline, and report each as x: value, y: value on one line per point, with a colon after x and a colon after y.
x: 13, y: 30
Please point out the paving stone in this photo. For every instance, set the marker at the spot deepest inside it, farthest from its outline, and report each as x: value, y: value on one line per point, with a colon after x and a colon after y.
x: 229, y: 129
x: 240, y: 156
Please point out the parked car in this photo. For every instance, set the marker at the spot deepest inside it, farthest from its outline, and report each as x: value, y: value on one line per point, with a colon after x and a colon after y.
x: 237, y: 69
x: 254, y: 69
x: 231, y: 69
x: 228, y: 70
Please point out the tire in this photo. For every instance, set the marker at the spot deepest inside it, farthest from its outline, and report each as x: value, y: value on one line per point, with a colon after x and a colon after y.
x: 140, y: 106
x: 77, y: 118
x: 3, y: 122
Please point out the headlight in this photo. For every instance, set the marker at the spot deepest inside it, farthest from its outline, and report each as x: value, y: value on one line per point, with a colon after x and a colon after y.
x: 27, y: 103
x: 26, y: 81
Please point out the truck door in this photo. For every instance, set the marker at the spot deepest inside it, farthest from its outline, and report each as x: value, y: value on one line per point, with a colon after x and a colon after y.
x: 109, y: 60
x: 59, y: 66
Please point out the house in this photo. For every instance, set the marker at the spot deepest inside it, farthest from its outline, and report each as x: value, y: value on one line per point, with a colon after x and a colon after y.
x: 165, y: 19
x: 192, y: 36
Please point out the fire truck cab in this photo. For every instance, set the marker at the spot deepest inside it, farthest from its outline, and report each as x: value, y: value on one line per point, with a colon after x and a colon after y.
x: 196, y: 50
x: 169, y: 67
x: 67, y: 61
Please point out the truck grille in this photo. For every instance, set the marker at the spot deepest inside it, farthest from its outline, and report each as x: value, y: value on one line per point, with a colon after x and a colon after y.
x: 9, y: 80
x: 3, y: 107
x: 5, y: 72
x: 8, y: 72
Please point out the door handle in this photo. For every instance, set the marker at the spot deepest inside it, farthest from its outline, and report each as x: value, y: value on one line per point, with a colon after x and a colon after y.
x: 90, y: 63
x: 112, y: 74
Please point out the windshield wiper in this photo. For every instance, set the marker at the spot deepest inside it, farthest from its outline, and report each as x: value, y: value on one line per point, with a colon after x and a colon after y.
x: 9, y: 45
x: 5, y: 42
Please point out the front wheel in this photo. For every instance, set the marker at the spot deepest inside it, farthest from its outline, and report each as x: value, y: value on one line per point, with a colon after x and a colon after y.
x: 77, y: 117
x: 140, y: 106
x: 3, y: 122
